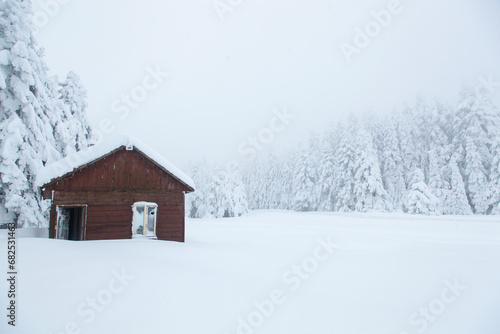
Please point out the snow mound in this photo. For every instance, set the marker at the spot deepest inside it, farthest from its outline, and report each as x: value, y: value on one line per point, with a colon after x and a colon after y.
x: 73, y: 161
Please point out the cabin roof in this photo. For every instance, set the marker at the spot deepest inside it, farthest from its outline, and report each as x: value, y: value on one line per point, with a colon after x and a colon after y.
x: 78, y: 160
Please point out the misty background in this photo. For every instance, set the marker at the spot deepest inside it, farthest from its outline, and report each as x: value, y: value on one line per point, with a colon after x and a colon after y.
x: 227, y: 76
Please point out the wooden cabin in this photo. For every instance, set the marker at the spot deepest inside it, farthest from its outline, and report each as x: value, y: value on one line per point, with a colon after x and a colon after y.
x: 119, y: 189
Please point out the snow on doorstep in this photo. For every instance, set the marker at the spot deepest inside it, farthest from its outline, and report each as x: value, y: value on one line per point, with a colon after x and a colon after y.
x: 73, y: 161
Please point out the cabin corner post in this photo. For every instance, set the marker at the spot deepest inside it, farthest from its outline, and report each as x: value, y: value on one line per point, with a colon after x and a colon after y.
x: 52, y: 221
x: 183, y: 210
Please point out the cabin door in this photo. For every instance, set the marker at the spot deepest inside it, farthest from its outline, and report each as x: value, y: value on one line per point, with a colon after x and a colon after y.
x: 71, y: 222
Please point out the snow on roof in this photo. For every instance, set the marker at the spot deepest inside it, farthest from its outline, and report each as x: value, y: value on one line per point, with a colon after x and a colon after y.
x: 145, y: 204
x: 73, y: 161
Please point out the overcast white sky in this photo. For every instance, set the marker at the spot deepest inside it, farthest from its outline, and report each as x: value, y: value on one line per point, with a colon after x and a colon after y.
x: 227, y: 76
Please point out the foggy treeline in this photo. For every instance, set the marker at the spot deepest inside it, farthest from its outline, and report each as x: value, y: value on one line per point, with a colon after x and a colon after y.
x: 427, y: 158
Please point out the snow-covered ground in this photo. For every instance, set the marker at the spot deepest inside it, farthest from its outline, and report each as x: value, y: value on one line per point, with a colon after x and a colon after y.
x: 270, y: 272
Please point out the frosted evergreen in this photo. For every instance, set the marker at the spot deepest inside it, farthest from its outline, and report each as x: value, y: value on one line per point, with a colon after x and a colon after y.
x: 420, y: 198
x: 32, y: 117
x: 219, y: 193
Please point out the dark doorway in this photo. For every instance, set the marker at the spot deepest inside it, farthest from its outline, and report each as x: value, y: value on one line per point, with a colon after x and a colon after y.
x: 70, y: 223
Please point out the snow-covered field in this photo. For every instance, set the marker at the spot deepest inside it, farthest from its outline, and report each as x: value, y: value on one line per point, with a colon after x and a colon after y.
x: 270, y: 272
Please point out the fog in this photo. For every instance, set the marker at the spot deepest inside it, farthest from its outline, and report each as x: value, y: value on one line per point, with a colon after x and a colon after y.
x: 234, y: 65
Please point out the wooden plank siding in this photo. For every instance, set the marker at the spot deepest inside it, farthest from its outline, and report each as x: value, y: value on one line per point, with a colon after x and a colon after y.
x: 110, y: 186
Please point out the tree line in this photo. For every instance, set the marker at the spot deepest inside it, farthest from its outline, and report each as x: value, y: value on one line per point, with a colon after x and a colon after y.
x: 426, y: 158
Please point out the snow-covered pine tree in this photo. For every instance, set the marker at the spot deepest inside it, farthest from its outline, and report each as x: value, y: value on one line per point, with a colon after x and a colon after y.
x: 26, y: 116
x: 212, y: 200
x: 476, y: 126
x: 196, y: 202
x: 286, y: 180
x: 218, y: 193
x: 327, y: 176
x: 443, y: 129
x: 368, y: 188
x: 424, y: 120
x: 255, y: 177
x: 392, y: 168
x: 231, y: 196
x: 476, y: 179
x: 305, y: 179
x: 249, y: 178
x: 494, y: 174
x: 494, y: 182
x: 420, y: 198
x: 456, y: 202
x: 345, y: 157
x: 436, y: 182
x: 226, y: 197
x: 74, y: 125
x: 406, y: 138
x: 271, y: 193
x: 277, y: 182
x: 315, y: 158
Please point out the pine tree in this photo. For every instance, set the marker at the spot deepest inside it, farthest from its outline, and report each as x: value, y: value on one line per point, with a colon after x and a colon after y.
x: 231, y: 196
x: 405, y: 125
x: 218, y: 193
x: 436, y: 182
x: 476, y: 179
x: 287, y: 182
x: 256, y: 178
x: 250, y: 174
x: 305, y: 178
x: 476, y: 126
x: 196, y: 202
x: 26, y: 116
x: 277, y: 182
x: 74, y: 129
x: 345, y: 157
x: 368, y: 188
x: 392, y: 167
x: 494, y: 181
x: 420, y: 198
x: 327, y: 177
x: 456, y: 202
x: 424, y: 120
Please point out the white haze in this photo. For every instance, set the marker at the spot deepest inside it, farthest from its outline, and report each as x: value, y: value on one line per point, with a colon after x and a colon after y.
x: 226, y: 77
